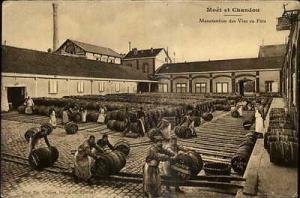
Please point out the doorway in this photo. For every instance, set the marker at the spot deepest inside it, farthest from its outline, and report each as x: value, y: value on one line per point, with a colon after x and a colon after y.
x: 15, y: 96
x: 241, y: 88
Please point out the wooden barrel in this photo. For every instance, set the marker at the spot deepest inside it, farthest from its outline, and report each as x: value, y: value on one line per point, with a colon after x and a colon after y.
x: 154, y: 133
x: 247, y: 124
x: 197, y: 163
x: 136, y: 127
x: 21, y: 109
x: 235, y: 114
x: 71, y: 128
x: 122, y: 146
x: 43, y: 157
x: 30, y: 132
x: 92, y: 117
x: 217, y: 168
x: 283, y: 131
x: 109, y: 163
x: 47, y: 127
x: 121, y: 115
x: 183, y: 132
x: 119, y: 126
x: 240, y: 159
x: 110, y: 124
x: 75, y: 117
x: 207, y: 116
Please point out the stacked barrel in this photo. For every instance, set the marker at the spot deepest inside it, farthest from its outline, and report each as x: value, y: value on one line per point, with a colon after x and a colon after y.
x: 240, y: 159
x: 281, y: 139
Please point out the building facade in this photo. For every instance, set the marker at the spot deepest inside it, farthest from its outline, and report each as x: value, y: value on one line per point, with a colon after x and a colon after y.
x: 290, y: 20
x: 40, y: 74
x: 88, y: 51
x: 147, y: 61
x: 240, y: 76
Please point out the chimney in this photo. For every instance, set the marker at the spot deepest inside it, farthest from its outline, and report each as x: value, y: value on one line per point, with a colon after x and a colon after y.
x: 55, y: 29
x: 129, y: 45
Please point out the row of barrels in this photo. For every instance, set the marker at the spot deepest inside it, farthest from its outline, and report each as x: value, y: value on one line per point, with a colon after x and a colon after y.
x: 281, y: 139
x: 240, y: 159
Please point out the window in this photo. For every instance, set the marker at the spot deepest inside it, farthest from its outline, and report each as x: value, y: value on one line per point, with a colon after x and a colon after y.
x: 200, y: 87
x: 271, y: 86
x: 53, y: 86
x: 80, y: 86
x: 101, y: 86
x: 163, y: 87
x: 222, y: 87
x: 117, y: 87
x: 181, y: 88
x: 145, y: 67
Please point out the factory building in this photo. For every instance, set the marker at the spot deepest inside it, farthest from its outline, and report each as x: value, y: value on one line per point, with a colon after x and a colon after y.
x: 40, y: 74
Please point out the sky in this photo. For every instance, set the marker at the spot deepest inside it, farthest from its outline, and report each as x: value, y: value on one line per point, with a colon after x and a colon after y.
x: 173, y: 25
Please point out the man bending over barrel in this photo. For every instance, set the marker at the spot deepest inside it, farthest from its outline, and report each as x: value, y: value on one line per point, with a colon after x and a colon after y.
x: 174, y: 148
x: 151, y: 176
x: 189, y: 122
x: 44, y: 131
x: 103, y: 142
x: 85, y: 159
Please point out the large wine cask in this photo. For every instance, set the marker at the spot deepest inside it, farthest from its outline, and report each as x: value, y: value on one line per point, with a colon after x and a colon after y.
x: 122, y: 146
x: 207, y: 116
x: 71, y: 128
x: 30, y: 132
x: 183, y: 132
x: 43, y: 157
x: 75, y: 117
x: 92, y: 117
x: 111, y: 124
x: 109, y: 163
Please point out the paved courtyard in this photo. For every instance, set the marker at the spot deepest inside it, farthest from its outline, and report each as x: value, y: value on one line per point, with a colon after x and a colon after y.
x: 20, y: 181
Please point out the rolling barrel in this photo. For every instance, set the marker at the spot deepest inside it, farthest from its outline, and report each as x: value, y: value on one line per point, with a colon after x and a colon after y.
x: 207, y: 116
x: 183, y: 132
x: 71, y: 128
x: 235, y: 114
x: 75, y: 117
x: 122, y: 146
x: 43, y: 157
x: 30, y: 132
x: 217, y: 168
x: 47, y: 127
x: 109, y: 163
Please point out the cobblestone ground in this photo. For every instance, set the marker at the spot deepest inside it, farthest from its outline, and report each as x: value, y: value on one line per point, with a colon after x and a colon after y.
x: 20, y: 181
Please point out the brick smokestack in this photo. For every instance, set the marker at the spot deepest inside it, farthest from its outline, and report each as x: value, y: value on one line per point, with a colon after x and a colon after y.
x: 55, y: 28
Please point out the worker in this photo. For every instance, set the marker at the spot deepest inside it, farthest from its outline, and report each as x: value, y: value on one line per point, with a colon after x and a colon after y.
x: 52, y: 120
x: 29, y: 105
x: 259, y: 122
x: 103, y: 142
x: 141, y: 117
x: 102, y: 115
x: 189, y: 122
x: 44, y: 131
x: 174, y: 148
x: 85, y: 159
x: 83, y: 112
x: 65, y: 115
x: 151, y: 174
x: 165, y: 127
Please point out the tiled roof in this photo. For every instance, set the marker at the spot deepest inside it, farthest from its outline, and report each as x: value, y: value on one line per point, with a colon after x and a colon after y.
x: 96, y: 49
x: 19, y: 60
x: 222, y: 65
x: 272, y: 50
x: 143, y: 53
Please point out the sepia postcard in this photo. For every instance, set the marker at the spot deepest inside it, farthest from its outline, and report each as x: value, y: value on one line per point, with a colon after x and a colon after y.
x: 154, y: 98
